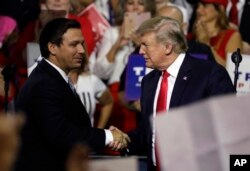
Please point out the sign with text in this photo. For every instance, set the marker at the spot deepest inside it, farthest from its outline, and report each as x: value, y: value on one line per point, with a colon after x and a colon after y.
x: 243, y: 82
x: 135, y: 72
x: 98, y: 22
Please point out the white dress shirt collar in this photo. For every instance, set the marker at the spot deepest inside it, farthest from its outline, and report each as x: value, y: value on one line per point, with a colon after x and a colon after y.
x: 174, y: 68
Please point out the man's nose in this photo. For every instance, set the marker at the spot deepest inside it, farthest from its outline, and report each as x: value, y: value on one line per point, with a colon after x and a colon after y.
x: 81, y: 49
x: 141, y: 50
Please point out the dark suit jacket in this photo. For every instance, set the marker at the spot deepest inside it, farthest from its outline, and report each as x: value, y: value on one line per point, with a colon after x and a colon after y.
x: 244, y: 23
x: 196, y: 48
x: 196, y: 80
x: 55, y: 121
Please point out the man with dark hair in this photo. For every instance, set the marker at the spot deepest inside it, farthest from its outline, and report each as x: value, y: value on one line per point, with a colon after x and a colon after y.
x: 55, y: 116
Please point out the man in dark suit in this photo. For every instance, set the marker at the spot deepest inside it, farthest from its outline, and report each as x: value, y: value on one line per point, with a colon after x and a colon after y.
x: 163, y: 46
x: 55, y: 116
x: 195, y: 50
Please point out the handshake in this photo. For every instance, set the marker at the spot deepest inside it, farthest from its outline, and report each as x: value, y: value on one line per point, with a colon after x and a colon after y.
x: 120, y: 139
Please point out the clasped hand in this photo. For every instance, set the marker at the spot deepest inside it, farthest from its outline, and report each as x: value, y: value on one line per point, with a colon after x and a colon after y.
x: 120, y: 141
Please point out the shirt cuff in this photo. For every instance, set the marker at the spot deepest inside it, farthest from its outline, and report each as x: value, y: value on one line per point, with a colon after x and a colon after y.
x: 109, y: 137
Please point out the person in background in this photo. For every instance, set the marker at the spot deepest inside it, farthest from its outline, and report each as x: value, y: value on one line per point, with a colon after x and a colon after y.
x: 187, y: 4
x: 65, y: 5
x: 114, y: 50
x: 7, y: 27
x: 116, y: 46
x: 108, y: 8
x: 77, y: 6
x: 10, y: 126
x: 185, y: 79
x: 244, y: 25
x: 78, y: 159
x: 8, y: 36
x: 56, y: 119
x: 21, y: 10
x: 212, y: 28
x: 101, y: 15
x: 91, y: 91
x: 162, y: 3
x: 195, y: 49
x: 7, y: 95
x: 47, y: 10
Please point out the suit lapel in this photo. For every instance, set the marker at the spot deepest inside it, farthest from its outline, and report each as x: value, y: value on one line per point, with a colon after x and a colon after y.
x: 46, y: 67
x: 181, y: 82
x: 58, y: 78
x: 151, y: 89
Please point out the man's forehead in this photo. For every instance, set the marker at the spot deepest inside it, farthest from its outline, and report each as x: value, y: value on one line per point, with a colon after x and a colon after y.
x: 147, y: 36
x: 73, y: 33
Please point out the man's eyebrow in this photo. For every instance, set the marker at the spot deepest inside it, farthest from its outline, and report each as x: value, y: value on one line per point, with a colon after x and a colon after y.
x: 77, y: 41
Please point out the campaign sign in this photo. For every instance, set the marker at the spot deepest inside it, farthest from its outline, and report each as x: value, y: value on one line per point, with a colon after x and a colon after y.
x: 199, y: 56
x: 98, y: 22
x: 135, y: 72
x: 243, y: 82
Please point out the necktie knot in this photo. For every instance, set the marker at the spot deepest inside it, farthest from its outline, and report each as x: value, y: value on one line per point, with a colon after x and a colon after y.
x: 165, y: 75
x: 71, y: 85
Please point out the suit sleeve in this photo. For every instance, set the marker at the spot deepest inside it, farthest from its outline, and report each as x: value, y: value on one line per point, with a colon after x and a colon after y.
x: 220, y: 81
x: 61, y: 121
x: 139, y: 139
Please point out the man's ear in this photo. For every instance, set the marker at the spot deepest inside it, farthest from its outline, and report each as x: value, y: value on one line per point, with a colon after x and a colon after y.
x: 185, y: 28
x: 168, y: 48
x: 52, y: 48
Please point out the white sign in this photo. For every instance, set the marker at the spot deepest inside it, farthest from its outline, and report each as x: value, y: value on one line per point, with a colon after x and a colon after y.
x: 243, y: 82
x: 115, y: 164
x: 202, y: 136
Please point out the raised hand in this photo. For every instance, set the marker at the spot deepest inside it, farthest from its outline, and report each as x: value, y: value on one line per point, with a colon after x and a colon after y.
x: 120, y: 141
x: 201, y: 32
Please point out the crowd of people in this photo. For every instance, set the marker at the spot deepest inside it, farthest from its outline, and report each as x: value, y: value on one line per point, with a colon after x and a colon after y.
x: 188, y: 40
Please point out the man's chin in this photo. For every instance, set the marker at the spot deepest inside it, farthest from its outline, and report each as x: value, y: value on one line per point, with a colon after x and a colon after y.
x: 150, y: 66
x: 77, y: 66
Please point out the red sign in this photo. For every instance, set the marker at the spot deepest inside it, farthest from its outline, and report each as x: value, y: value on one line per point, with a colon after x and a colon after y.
x: 98, y: 22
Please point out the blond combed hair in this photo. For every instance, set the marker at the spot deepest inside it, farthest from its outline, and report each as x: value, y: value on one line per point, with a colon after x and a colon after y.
x: 167, y: 30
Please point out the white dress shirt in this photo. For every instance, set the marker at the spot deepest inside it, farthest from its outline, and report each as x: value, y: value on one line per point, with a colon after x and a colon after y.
x: 173, y: 70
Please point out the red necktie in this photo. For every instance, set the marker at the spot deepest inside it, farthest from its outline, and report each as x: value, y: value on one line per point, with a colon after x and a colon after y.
x: 161, y: 107
x: 233, y: 15
x: 162, y: 97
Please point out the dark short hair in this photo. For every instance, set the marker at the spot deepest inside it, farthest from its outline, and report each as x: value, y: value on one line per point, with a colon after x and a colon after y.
x: 53, y: 32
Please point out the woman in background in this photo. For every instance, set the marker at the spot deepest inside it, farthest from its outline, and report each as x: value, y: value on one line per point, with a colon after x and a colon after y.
x: 113, y: 53
x: 212, y: 28
x: 91, y: 91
